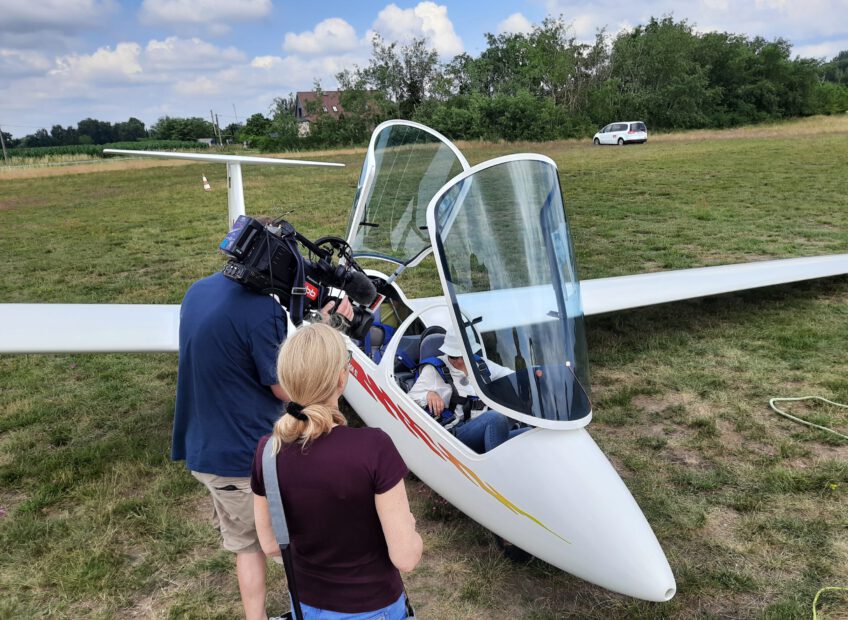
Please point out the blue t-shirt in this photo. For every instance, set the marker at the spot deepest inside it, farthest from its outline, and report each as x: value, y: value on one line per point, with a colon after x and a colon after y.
x: 229, y: 339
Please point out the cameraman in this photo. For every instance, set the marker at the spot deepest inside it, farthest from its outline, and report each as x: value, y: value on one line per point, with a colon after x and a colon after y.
x: 227, y: 398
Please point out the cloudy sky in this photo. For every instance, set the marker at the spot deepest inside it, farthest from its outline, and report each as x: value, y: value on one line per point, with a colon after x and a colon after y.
x: 65, y: 60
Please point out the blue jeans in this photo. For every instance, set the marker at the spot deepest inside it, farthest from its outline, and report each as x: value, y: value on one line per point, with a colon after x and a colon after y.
x: 485, y: 432
x: 395, y: 611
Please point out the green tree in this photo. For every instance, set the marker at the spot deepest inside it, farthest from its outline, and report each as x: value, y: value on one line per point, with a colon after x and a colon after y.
x: 256, y: 125
x: 233, y: 132
x: 282, y: 129
x: 548, y: 63
x: 9, y: 140
x: 64, y: 135
x: 837, y: 69
x: 130, y: 131
x: 362, y: 110
x: 830, y: 98
x: 168, y: 128
x: 405, y: 75
x: 357, y: 99
x: 99, y: 132
x: 459, y: 117
x: 659, y: 76
x: 39, y: 138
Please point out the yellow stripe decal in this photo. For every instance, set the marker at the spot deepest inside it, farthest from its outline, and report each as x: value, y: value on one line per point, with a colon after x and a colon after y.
x: 397, y: 412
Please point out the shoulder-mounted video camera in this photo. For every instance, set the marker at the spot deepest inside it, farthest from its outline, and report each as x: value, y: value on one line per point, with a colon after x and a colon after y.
x: 266, y: 258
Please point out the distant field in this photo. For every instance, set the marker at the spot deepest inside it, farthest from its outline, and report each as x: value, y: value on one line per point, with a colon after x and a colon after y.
x: 751, y: 509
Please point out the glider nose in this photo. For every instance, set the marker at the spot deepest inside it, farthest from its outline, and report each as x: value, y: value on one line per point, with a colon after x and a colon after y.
x: 587, y: 522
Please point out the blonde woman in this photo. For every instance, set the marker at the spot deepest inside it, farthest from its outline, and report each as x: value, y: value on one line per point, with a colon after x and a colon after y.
x: 345, y: 502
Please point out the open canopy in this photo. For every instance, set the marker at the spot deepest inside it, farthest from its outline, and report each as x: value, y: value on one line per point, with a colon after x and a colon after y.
x: 504, y: 255
x: 405, y: 166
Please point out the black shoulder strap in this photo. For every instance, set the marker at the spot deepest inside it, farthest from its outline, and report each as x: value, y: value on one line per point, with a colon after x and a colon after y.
x: 278, y: 520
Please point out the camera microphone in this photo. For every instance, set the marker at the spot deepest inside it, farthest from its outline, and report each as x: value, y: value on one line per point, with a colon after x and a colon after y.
x: 359, y: 288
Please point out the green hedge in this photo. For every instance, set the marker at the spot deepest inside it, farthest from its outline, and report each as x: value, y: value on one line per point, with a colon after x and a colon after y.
x: 96, y: 150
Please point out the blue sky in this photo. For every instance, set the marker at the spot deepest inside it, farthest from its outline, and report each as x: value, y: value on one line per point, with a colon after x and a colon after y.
x: 65, y: 60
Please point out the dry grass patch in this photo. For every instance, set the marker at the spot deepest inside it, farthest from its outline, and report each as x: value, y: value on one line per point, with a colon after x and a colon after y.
x: 818, y: 453
x: 141, y: 162
x: 190, y: 595
x: 9, y: 203
x: 94, y: 165
x: 806, y: 127
x: 736, y: 444
x: 653, y: 404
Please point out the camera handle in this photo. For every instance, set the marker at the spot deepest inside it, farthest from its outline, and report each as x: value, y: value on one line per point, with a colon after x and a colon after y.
x: 312, y: 247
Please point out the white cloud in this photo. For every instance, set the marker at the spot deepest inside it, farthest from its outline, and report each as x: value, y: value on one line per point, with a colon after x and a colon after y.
x: 427, y: 19
x: 516, y: 23
x: 22, y: 63
x: 65, y: 15
x: 796, y: 21
x: 827, y: 50
x: 329, y: 36
x: 394, y: 22
x: 584, y: 26
x: 300, y: 72
x: 200, y: 86
x: 771, y: 4
x: 175, y: 54
x: 265, y: 62
x: 103, y: 65
x: 212, y: 13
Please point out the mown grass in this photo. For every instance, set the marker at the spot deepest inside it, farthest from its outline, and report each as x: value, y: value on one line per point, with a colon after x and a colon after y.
x: 750, y: 508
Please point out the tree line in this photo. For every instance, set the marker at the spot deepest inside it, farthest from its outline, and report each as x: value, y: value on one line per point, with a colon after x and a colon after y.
x: 541, y: 85
x: 547, y: 85
x: 94, y: 132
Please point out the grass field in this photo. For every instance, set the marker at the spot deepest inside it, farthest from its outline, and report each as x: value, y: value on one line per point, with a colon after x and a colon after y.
x: 751, y: 509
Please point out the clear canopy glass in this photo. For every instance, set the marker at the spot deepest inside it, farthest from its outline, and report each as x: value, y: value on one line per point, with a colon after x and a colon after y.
x: 504, y: 250
x: 406, y: 165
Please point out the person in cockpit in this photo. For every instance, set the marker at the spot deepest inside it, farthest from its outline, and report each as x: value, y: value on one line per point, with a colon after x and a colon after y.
x: 444, y: 390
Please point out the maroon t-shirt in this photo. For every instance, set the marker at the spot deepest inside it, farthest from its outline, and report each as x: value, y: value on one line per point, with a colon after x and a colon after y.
x: 339, y: 552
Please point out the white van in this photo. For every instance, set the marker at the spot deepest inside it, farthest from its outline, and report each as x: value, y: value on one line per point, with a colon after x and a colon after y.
x: 622, y: 133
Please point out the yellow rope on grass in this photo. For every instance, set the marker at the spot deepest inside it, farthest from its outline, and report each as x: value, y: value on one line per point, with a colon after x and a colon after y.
x: 801, y: 421
x: 823, y: 428
x: 816, y: 600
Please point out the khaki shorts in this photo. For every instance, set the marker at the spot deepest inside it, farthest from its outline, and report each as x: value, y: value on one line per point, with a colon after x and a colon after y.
x: 232, y: 503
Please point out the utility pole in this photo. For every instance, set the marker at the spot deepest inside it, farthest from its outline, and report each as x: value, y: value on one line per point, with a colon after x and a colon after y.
x: 212, y: 118
x: 218, y: 128
x: 3, y: 143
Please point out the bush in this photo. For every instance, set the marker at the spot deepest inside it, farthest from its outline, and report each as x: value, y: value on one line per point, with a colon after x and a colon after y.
x: 503, y: 117
x: 458, y: 117
x: 830, y: 98
x: 96, y: 150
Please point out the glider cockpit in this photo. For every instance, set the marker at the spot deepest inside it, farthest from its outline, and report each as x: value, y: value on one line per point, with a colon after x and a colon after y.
x: 504, y: 265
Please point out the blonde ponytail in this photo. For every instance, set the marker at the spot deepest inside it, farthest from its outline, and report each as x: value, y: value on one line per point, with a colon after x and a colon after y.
x: 308, y: 369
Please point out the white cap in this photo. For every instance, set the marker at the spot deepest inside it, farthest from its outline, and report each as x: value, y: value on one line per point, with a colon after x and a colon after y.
x: 452, y: 346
